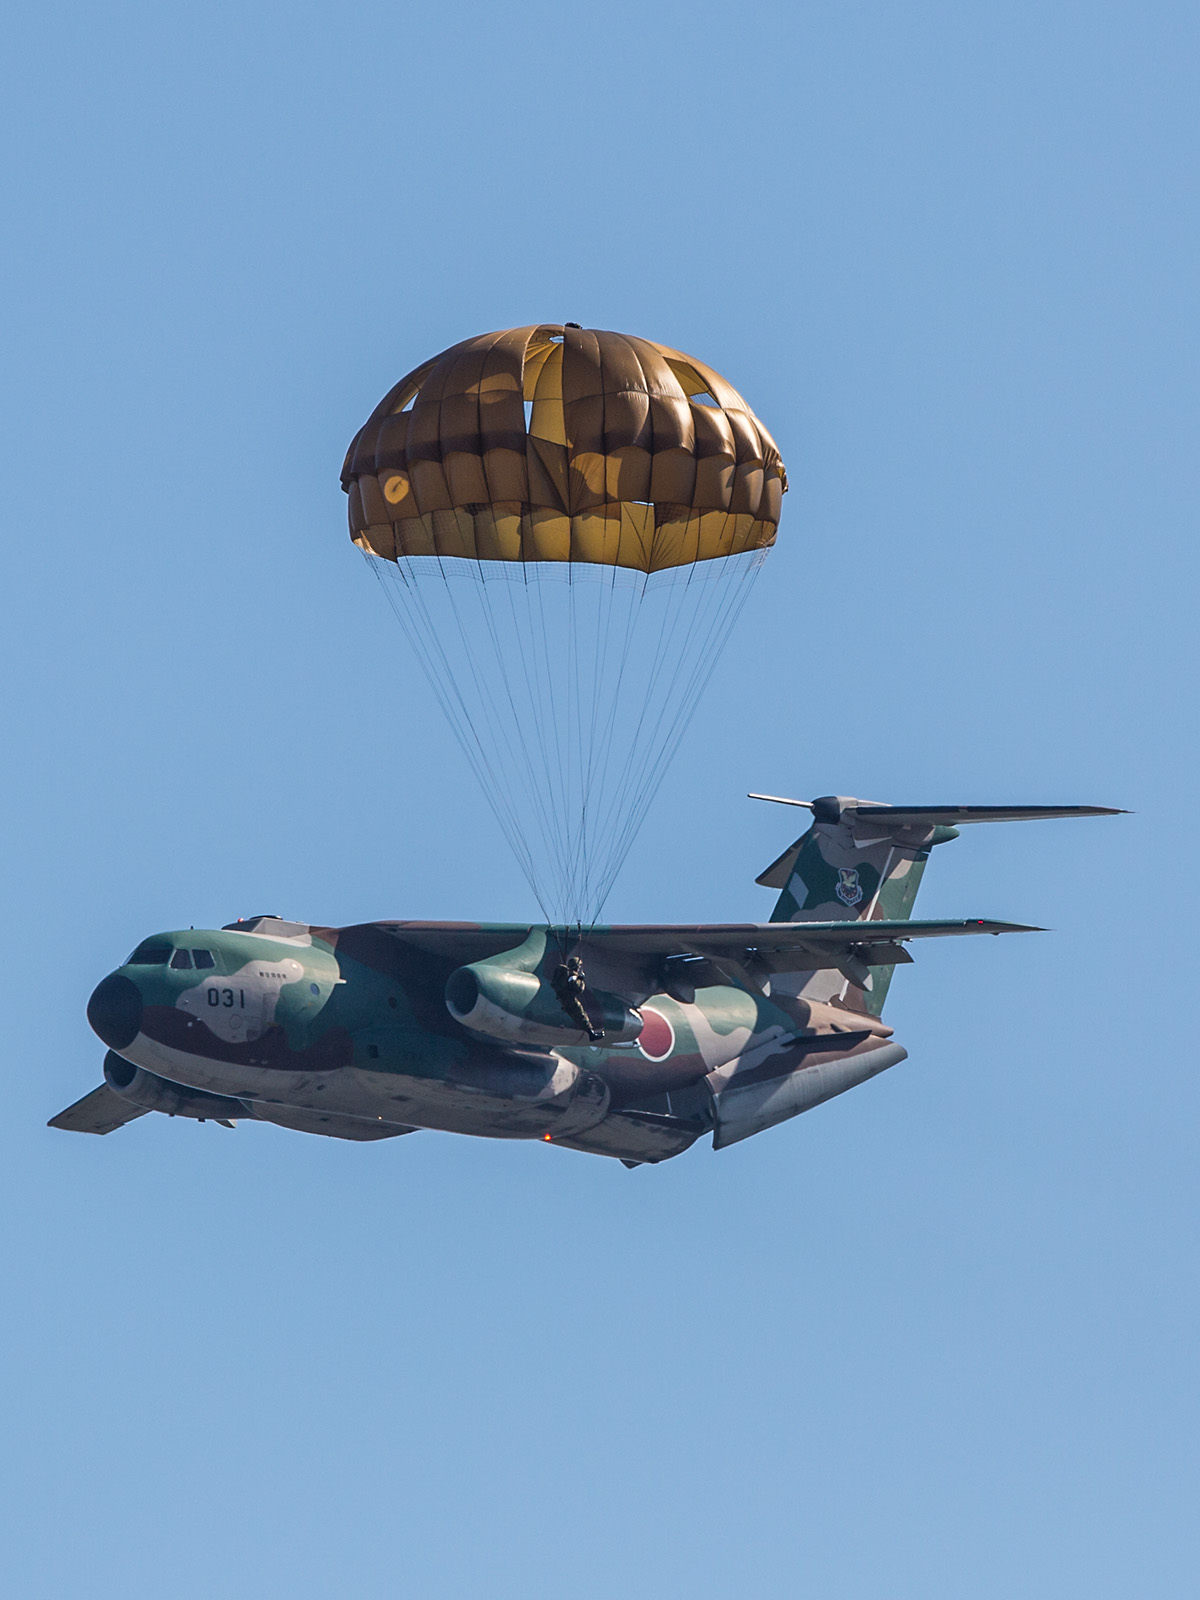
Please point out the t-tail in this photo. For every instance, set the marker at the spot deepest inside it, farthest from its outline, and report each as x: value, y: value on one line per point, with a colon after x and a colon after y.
x: 863, y: 861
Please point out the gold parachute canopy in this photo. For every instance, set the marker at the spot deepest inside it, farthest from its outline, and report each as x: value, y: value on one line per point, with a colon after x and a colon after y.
x: 568, y: 444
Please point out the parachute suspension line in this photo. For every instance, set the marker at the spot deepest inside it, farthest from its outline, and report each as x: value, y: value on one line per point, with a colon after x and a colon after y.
x: 589, y: 766
x: 725, y: 605
x: 728, y: 607
x: 538, y: 799
x: 527, y: 637
x: 624, y: 605
x: 491, y: 718
x: 552, y: 678
x: 426, y: 637
x: 569, y: 703
x: 577, y: 722
x: 707, y: 639
x: 408, y: 603
x: 581, y: 722
x: 583, y: 602
x: 576, y: 701
x: 535, y: 698
x: 535, y: 796
x: 605, y: 589
x: 637, y: 751
x: 598, y: 767
x: 551, y: 710
x: 634, y: 596
x: 605, y: 608
x: 558, y: 678
x: 697, y: 633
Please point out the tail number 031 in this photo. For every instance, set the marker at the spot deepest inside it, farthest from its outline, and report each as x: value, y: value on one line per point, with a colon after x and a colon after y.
x: 225, y: 997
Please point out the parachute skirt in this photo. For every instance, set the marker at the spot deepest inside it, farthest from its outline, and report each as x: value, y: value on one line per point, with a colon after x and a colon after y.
x: 639, y: 536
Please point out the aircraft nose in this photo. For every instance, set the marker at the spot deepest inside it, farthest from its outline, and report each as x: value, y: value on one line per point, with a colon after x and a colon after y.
x: 115, y: 1011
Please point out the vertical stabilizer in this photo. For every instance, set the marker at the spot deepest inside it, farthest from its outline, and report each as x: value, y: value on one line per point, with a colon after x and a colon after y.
x: 847, y: 869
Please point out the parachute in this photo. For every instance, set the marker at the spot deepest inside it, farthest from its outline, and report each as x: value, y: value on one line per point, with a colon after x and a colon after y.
x: 567, y: 523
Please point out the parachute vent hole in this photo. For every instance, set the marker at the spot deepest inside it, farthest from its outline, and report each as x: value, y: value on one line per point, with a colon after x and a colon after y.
x: 528, y: 414
x: 692, y: 384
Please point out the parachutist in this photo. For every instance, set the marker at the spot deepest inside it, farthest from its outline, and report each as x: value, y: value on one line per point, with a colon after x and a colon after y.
x: 570, y: 985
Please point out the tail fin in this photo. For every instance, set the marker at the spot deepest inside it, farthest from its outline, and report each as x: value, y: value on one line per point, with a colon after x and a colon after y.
x: 862, y: 861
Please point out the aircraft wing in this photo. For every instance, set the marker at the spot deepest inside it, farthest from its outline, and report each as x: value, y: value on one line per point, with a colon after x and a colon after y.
x: 102, y: 1111
x: 814, y: 944
x: 808, y: 945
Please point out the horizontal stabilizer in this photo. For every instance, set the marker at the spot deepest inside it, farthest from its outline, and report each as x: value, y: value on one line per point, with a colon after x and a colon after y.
x: 955, y: 816
x: 102, y: 1111
x: 831, y: 808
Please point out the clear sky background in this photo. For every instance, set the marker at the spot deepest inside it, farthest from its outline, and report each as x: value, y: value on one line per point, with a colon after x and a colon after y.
x: 935, y: 1339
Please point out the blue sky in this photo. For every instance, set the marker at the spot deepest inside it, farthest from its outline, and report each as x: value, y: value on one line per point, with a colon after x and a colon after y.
x: 934, y: 1339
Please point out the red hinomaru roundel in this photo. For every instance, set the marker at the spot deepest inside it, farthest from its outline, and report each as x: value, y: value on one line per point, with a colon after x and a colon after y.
x: 657, y: 1038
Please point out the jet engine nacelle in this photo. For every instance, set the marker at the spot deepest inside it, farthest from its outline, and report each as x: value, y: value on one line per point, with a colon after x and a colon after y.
x: 520, y: 1007
x: 147, y: 1089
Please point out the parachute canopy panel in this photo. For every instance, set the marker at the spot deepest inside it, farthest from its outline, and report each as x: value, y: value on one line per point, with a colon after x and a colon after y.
x: 563, y: 444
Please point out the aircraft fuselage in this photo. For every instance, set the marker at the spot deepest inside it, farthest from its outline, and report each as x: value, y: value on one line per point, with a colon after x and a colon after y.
x: 359, y: 1032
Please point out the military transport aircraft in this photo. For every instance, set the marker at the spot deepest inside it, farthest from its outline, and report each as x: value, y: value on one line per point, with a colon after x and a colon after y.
x: 628, y: 1042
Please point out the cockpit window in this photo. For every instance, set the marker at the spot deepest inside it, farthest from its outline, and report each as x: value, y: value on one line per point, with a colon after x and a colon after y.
x: 180, y: 960
x: 203, y: 958
x: 150, y: 954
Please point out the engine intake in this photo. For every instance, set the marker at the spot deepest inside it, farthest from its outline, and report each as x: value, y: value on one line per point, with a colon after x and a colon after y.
x: 520, y: 1007
x: 159, y: 1094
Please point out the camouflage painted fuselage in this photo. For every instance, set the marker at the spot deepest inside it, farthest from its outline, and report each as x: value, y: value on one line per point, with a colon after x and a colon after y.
x: 349, y: 1031
x: 380, y: 1029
